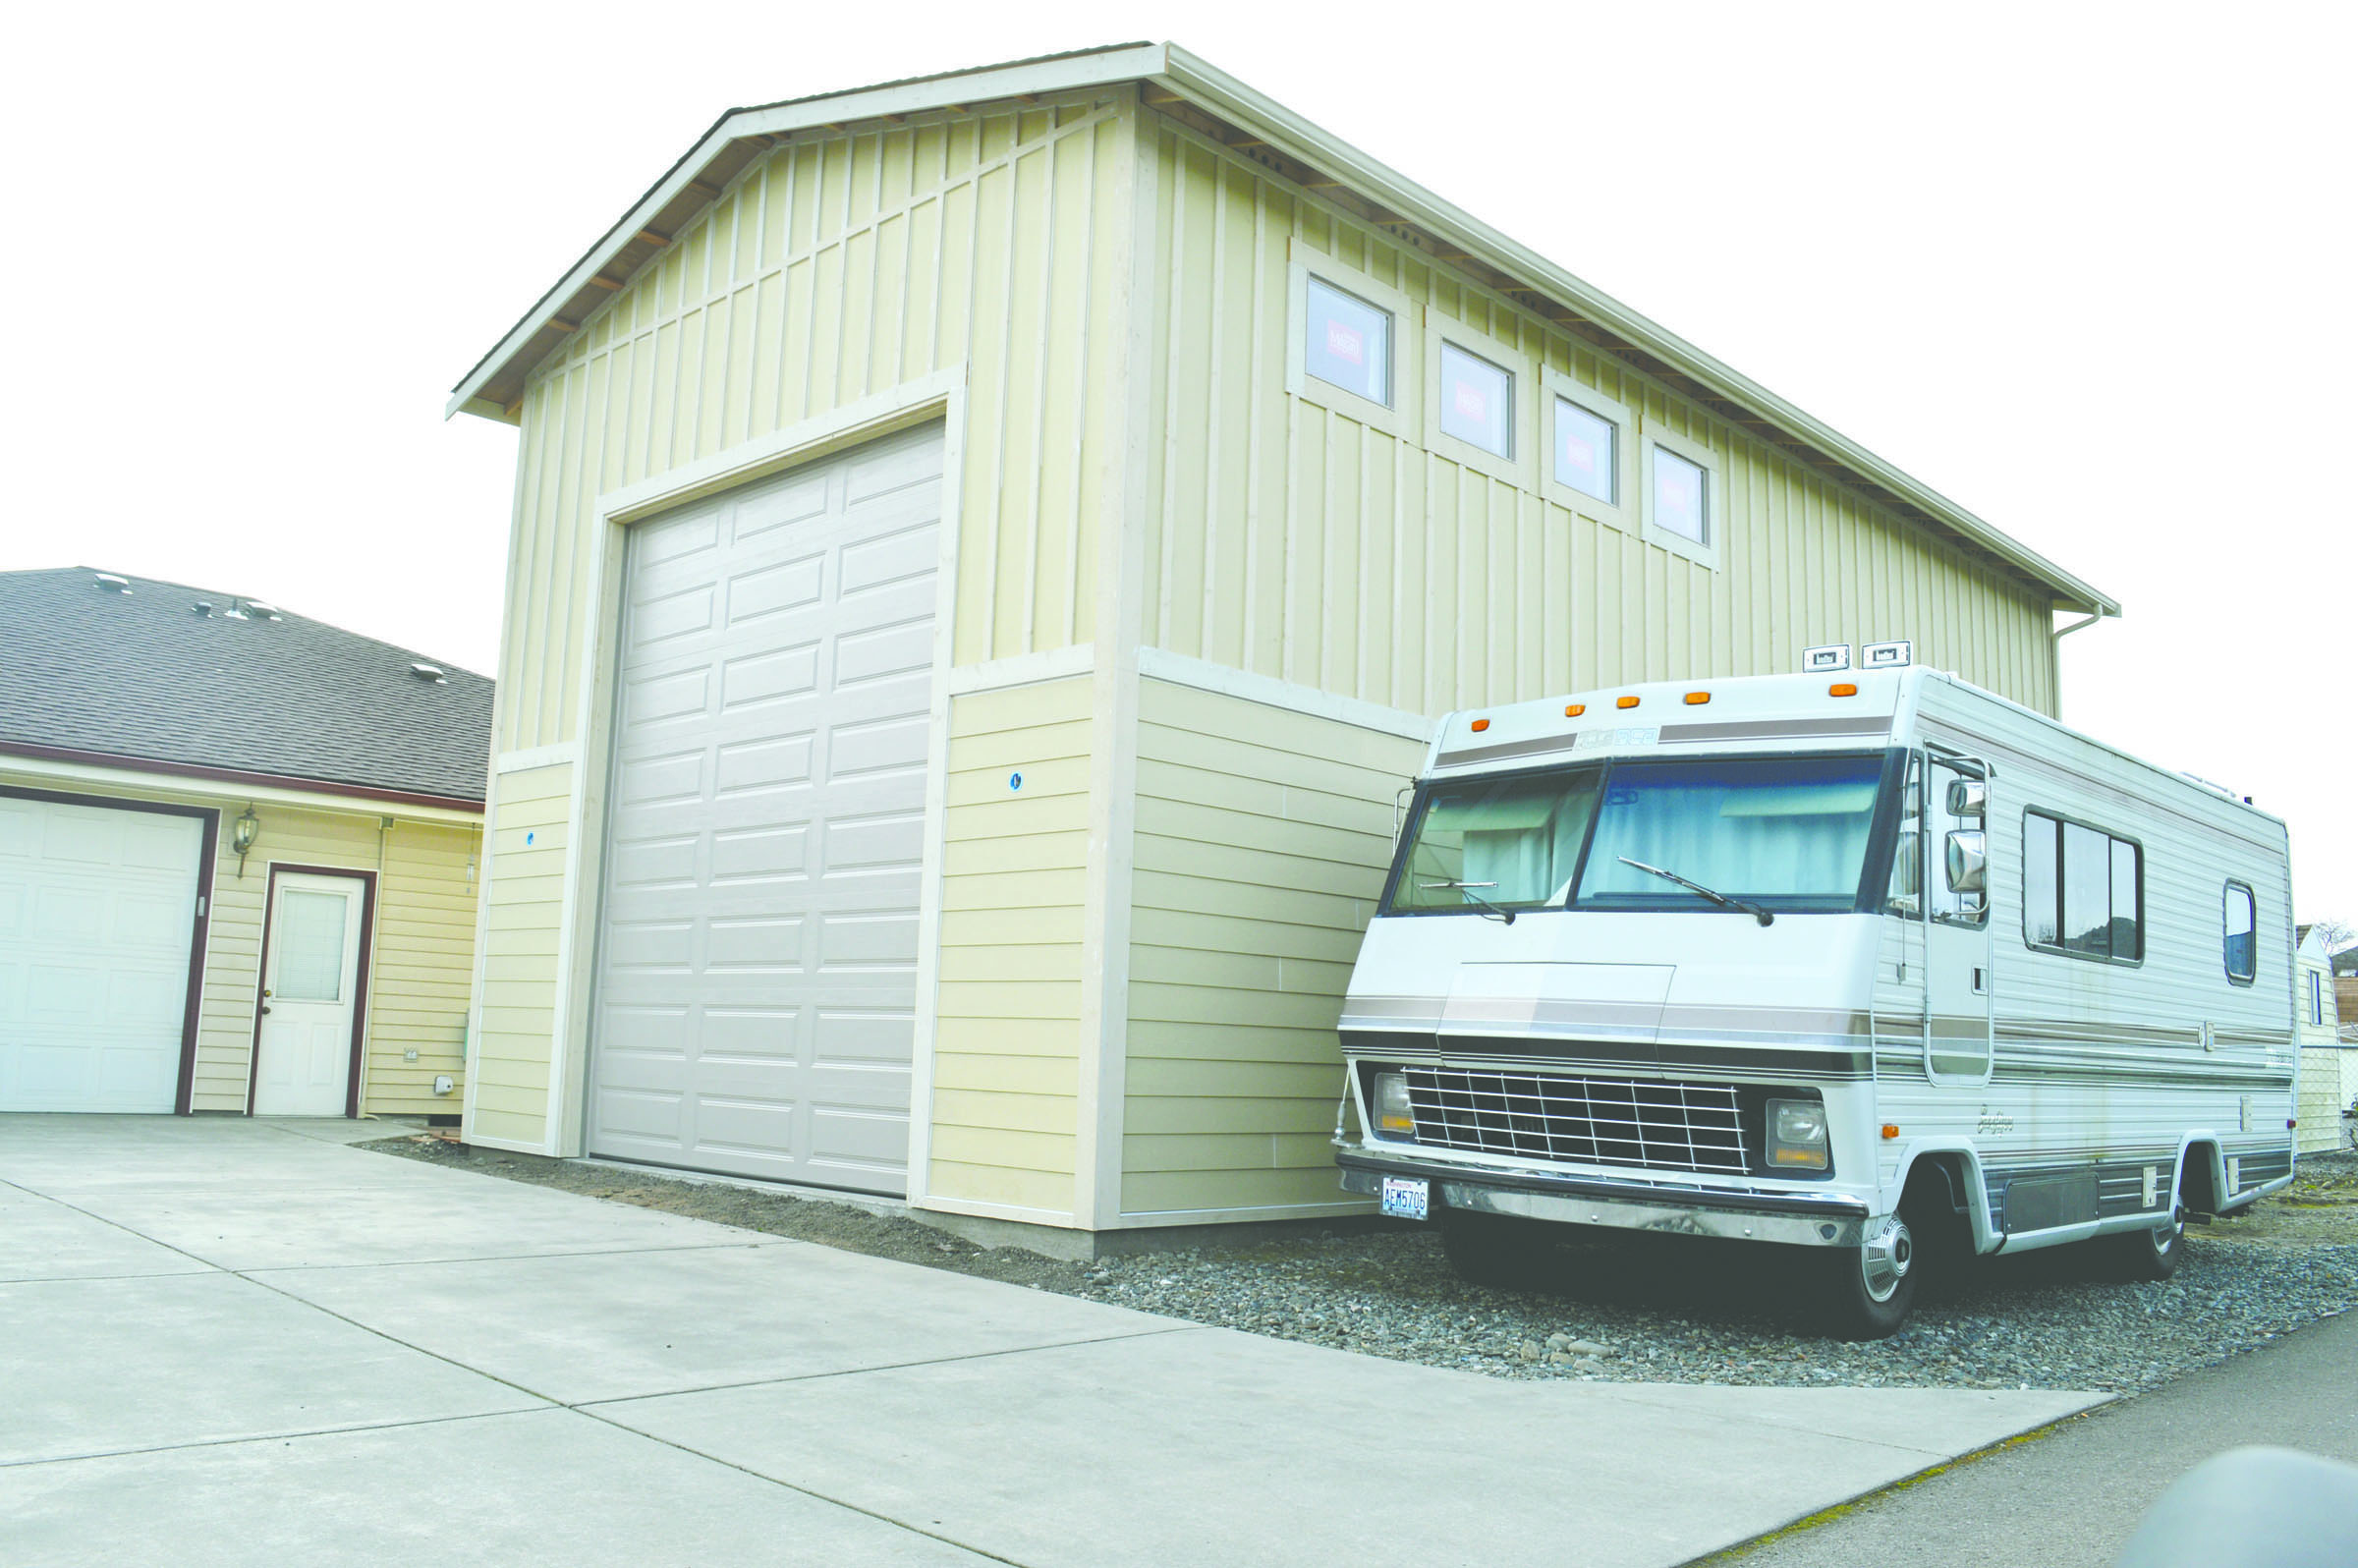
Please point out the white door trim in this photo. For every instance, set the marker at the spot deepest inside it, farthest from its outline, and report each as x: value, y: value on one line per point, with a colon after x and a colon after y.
x: 938, y: 396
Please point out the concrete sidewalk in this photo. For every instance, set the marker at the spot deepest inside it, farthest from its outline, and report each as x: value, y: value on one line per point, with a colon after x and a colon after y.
x: 230, y: 1341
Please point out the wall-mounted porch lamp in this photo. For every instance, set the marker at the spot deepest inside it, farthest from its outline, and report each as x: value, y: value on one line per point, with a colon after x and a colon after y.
x: 242, y: 834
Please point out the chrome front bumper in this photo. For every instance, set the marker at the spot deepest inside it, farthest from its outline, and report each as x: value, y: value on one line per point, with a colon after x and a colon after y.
x: 1799, y: 1219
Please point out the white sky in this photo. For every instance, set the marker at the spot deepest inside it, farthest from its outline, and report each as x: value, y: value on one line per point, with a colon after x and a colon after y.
x: 2086, y: 269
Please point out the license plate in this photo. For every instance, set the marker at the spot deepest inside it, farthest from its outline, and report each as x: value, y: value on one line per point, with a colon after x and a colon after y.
x: 1408, y: 1197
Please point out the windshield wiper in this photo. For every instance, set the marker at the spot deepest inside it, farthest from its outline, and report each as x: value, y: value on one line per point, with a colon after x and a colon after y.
x: 1490, y: 909
x: 1721, y: 899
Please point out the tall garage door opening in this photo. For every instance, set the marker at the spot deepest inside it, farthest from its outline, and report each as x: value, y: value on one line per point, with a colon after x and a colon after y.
x: 756, y: 973
x: 97, y: 917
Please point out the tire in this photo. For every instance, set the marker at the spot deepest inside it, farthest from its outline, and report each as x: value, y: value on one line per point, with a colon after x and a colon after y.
x: 1496, y: 1251
x: 1870, y: 1289
x: 2148, y: 1254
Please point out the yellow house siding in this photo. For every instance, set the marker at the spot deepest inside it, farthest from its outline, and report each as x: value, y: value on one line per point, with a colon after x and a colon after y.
x: 1015, y: 866
x: 517, y: 998
x: 422, y: 953
x: 1262, y: 840
x: 835, y: 267
x: 1297, y: 542
x: 2329, y: 1073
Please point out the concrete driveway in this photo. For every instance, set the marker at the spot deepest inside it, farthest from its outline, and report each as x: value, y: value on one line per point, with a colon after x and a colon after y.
x: 230, y: 1341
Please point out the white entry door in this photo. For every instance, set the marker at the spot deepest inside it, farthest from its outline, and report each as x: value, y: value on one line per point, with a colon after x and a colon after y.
x: 310, y: 978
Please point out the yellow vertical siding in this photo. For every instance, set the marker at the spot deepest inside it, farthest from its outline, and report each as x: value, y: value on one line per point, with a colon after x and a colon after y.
x: 1262, y: 841
x: 1006, y: 1065
x: 2325, y: 1065
x: 1296, y: 543
x: 839, y: 266
x: 508, y: 1093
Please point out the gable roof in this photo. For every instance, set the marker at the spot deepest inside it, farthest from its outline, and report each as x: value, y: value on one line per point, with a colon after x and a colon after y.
x: 145, y: 678
x: 1176, y: 82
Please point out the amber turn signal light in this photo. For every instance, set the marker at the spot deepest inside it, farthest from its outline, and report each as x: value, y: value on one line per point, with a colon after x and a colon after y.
x: 1890, y: 1129
x: 1841, y: 688
x: 1625, y: 701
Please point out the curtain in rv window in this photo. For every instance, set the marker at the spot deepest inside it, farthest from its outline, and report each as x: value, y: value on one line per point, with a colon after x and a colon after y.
x: 1510, y: 842
x: 1790, y: 832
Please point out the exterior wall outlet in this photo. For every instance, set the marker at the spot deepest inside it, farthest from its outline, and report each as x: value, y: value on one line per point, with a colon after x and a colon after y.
x: 441, y: 1082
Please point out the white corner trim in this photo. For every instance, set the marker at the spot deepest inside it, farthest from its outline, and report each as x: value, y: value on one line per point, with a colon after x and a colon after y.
x: 1024, y: 669
x: 561, y: 755
x: 1160, y: 664
x: 876, y: 415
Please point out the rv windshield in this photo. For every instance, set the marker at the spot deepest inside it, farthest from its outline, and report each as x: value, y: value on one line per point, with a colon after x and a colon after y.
x: 1785, y: 832
x: 1509, y: 843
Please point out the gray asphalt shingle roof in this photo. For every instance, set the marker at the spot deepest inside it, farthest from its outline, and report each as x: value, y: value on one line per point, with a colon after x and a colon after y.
x: 146, y: 675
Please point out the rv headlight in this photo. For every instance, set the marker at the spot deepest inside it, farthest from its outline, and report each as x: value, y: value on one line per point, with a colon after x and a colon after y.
x: 1395, y: 1116
x: 1797, y: 1134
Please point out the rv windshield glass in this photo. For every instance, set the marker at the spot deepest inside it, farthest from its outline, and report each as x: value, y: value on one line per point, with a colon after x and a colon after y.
x: 1786, y: 832
x: 1505, y: 843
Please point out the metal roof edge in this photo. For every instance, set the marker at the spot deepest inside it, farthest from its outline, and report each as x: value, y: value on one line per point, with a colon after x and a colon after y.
x: 1194, y: 78
x: 1057, y: 73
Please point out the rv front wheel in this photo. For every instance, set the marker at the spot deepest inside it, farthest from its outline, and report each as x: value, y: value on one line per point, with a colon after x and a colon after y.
x: 1871, y: 1287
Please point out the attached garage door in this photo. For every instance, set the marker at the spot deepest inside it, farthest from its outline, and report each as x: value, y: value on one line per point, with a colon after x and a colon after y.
x: 757, y: 955
x: 98, y: 911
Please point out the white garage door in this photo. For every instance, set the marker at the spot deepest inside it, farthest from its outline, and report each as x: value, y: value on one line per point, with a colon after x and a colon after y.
x: 97, y: 910
x: 757, y: 954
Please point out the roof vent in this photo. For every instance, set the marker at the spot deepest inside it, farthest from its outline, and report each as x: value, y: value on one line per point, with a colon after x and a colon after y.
x: 267, y: 611
x: 203, y: 607
x: 429, y: 672
x: 111, y: 584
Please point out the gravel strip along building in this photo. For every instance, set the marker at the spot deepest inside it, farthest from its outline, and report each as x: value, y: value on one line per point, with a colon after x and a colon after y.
x: 988, y: 551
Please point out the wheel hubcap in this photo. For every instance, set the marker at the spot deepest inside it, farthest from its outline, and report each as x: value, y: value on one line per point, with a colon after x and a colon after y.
x: 1884, y: 1258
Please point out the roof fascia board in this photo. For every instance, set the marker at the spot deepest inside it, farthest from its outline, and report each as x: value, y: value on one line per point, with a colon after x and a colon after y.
x: 1192, y: 78
x: 130, y: 775
x: 1065, y: 75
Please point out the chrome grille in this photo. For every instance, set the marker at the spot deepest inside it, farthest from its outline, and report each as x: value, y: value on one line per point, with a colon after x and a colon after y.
x: 1600, y: 1121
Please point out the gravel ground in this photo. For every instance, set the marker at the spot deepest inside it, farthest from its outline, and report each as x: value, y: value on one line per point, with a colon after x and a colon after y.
x: 1639, y: 1309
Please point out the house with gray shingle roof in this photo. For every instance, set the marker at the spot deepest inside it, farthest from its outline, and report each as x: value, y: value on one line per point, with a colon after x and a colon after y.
x: 240, y: 852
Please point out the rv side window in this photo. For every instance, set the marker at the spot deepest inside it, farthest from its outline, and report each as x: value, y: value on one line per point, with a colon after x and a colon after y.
x: 2243, y: 947
x: 2083, y: 890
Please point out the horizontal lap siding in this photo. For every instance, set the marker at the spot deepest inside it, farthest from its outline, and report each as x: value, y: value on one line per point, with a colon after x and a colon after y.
x: 835, y: 267
x: 1006, y: 1069
x: 1298, y: 543
x: 423, y: 966
x: 507, y: 1097
x: 1261, y: 846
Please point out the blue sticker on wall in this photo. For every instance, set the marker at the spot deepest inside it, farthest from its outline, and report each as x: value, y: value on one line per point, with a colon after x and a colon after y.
x: 528, y: 841
x: 1015, y: 781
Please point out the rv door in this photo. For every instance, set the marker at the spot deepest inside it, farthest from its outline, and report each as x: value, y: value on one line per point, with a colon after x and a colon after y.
x: 1960, y: 989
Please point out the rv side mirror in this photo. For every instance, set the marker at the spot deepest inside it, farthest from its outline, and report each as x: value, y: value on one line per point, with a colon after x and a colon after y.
x: 1968, y: 860
x: 1968, y: 797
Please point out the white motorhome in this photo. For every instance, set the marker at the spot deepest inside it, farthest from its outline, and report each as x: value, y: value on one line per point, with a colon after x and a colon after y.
x: 1870, y: 960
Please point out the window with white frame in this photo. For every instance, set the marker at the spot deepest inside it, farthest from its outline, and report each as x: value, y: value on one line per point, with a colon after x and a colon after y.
x: 1682, y: 496
x: 1478, y: 401
x: 1346, y: 341
x: 1588, y: 452
x: 1343, y: 348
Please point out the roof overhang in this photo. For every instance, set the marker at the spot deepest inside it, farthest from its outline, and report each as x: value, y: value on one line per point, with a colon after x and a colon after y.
x: 1178, y: 82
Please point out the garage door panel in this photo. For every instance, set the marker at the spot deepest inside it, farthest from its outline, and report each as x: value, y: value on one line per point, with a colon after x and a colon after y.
x: 766, y: 890
x: 669, y: 617
x: 98, y: 920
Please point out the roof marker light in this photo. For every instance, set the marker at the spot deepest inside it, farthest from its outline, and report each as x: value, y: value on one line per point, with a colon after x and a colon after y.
x: 1480, y: 725
x: 1698, y: 698
x: 1575, y: 709
x: 1625, y: 701
x: 1841, y: 688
